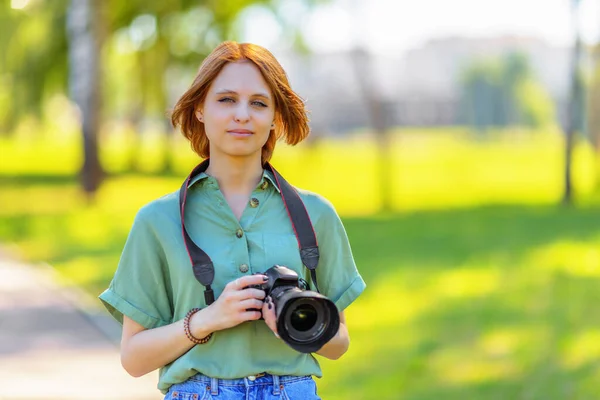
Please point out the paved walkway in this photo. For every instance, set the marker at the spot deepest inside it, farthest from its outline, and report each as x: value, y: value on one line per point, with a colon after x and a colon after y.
x: 59, y: 344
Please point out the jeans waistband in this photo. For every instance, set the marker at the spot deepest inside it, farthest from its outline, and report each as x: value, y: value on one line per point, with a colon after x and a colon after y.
x: 262, y: 379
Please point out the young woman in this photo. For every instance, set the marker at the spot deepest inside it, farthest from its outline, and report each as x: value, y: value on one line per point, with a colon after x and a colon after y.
x: 238, y: 106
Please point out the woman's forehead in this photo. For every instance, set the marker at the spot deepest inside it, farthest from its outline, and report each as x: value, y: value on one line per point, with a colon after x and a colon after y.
x: 241, y: 78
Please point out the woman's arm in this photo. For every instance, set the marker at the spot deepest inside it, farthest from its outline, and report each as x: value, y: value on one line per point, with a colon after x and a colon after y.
x: 339, y: 344
x: 145, y: 350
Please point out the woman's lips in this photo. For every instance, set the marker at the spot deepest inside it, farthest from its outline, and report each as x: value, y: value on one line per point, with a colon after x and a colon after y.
x: 240, y: 132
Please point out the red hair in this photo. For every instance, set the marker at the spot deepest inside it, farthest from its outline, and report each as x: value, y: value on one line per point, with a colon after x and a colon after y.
x: 291, y: 120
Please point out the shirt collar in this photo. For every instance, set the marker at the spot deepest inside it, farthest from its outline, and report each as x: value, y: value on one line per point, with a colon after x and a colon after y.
x: 197, y: 178
x: 267, y: 176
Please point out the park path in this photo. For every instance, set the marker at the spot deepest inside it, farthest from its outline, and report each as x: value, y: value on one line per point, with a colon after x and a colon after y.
x: 58, y: 343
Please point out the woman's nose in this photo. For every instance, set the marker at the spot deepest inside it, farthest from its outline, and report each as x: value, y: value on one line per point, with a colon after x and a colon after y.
x: 241, y: 114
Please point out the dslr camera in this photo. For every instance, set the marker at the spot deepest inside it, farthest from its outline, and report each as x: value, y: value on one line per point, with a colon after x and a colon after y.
x: 306, y: 320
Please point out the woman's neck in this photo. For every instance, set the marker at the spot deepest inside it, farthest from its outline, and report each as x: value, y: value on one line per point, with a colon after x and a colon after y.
x: 236, y: 176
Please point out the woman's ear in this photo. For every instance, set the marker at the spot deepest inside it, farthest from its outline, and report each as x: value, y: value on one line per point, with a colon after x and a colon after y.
x: 274, y: 120
x: 199, y: 115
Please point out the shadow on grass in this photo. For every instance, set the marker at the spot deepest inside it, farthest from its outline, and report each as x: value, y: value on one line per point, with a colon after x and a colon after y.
x: 516, y: 340
x: 25, y: 180
x: 499, y: 346
x: 451, y: 237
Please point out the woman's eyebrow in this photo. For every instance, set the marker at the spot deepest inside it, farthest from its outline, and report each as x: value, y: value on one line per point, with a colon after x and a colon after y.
x: 228, y: 91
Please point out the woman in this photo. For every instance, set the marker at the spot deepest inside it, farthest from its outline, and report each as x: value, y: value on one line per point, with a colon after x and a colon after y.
x: 239, y: 104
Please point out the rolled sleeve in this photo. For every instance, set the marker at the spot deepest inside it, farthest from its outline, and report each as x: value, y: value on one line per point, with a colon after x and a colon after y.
x: 140, y: 288
x: 351, y: 293
x: 117, y: 306
x: 337, y: 274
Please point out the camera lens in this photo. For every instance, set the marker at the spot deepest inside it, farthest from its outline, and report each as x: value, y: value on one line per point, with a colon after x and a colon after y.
x: 303, y: 317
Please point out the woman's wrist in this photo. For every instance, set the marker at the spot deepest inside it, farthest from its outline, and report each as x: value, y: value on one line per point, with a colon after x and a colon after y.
x: 200, y: 325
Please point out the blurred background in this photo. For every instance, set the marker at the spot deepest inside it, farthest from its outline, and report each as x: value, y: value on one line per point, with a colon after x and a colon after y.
x: 459, y: 140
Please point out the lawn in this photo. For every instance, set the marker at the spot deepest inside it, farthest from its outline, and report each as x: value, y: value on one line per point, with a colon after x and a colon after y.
x: 479, y: 285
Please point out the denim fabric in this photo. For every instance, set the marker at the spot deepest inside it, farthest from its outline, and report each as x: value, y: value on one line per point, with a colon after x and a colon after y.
x: 267, y: 387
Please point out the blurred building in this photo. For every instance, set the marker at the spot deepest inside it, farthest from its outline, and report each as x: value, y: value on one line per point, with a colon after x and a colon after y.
x: 419, y: 88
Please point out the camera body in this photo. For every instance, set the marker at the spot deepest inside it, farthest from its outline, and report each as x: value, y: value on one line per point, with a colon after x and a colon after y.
x: 306, y: 320
x: 280, y: 277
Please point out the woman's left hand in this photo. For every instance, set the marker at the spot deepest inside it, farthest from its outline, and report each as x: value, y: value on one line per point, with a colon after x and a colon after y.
x: 268, y: 313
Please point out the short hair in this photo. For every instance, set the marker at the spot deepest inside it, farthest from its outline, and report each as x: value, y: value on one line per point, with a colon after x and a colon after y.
x: 291, y: 119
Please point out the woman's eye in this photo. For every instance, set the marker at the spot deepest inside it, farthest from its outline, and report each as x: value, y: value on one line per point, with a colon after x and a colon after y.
x: 259, y: 103
x: 226, y: 100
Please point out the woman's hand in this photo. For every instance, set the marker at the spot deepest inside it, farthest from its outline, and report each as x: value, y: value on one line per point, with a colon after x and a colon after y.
x: 269, y: 315
x: 232, y: 307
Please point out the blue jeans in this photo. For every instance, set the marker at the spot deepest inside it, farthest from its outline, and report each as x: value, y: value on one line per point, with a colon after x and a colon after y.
x: 262, y: 387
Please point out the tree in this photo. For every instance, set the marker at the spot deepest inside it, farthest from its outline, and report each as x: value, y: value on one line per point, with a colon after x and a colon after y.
x: 43, y: 58
x: 504, y: 92
x: 575, y: 106
x: 594, y: 102
x: 84, y: 83
x: 378, y: 121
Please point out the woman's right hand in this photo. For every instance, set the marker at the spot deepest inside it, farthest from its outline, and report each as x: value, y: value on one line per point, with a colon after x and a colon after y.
x: 231, y: 307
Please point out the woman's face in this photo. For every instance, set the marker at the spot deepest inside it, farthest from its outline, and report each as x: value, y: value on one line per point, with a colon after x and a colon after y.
x: 238, y: 112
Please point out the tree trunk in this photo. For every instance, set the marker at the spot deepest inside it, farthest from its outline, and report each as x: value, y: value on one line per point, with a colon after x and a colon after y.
x: 84, y: 84
x: 575, y: 105
x: 378, y: 123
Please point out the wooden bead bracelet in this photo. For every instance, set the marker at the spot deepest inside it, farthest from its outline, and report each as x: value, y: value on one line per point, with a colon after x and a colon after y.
x: 186, y: 328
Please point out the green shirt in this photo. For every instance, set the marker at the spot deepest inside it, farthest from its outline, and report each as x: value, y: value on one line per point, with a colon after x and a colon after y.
x: 154, y: 284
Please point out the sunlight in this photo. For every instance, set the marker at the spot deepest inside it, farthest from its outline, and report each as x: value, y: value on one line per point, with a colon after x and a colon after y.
x: 40, y: 200
x: 574, y: 258
x: 467, y: 282
x: 83, y: 270
x: 398, y: 303
x: 508, y: 341
x: 18, y: 4
x: 395, y: 304
x: 496, y: 355
x: 582, y: 348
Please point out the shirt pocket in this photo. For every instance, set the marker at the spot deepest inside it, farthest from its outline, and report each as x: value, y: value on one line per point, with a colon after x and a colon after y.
x: 282, y: 249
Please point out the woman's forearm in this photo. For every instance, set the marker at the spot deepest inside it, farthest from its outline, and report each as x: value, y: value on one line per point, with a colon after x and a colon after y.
x: 144, y: 351
x: 337, y: 346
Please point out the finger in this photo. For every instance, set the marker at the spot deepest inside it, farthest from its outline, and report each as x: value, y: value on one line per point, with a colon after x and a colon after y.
x: 269, y: 315
x: 251, y: 303
x: 250, y: 315
x: 248, y: 280
x: 233, y: 285
x: 251, y: 294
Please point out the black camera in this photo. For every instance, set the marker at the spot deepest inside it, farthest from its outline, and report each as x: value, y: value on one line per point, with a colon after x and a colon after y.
x: 306, y: 320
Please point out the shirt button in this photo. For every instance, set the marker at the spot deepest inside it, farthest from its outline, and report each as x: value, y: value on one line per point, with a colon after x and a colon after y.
x: 254, y: 202
x: 244, y: 268
x: 252, y: 378
x: 264, y: 185
x: 239, y: 233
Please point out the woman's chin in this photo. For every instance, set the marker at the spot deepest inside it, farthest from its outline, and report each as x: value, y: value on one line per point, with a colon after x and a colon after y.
x: 243, y: 153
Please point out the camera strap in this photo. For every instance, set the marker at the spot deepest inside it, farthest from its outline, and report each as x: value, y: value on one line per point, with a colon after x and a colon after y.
x: 202, y: 265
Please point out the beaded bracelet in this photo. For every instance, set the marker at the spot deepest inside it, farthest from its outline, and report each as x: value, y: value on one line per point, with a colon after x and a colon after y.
x: 186, y: 328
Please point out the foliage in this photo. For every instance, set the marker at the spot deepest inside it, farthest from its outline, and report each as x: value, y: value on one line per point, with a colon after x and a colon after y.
x: 33, y: 59
x: 504, y: 92
x: 148, y: 44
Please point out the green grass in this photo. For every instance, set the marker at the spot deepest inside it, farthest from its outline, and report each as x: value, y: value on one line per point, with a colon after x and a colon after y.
x: 479, y: 287
x: 493, y: 302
